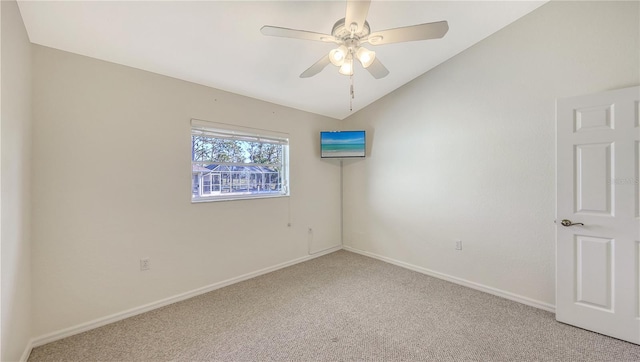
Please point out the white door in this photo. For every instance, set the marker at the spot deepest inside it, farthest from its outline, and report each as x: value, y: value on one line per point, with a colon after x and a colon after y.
x: 597, y: 264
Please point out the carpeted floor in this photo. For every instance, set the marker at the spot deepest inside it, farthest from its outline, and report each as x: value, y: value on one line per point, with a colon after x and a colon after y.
x: 341, y: 307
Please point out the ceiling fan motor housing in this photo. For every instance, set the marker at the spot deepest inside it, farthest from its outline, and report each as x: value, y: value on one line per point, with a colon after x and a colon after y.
x: 342, y: 32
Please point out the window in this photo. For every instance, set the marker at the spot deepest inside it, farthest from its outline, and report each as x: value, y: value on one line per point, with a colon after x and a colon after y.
x: 235, y: 163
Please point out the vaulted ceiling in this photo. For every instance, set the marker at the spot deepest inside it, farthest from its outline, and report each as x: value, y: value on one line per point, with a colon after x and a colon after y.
x: 219, y: 43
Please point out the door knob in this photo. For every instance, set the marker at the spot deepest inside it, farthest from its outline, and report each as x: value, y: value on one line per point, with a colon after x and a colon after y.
x: 566, y: 222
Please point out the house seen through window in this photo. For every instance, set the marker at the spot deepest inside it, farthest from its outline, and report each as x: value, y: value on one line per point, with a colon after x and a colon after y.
x: 237, y: 165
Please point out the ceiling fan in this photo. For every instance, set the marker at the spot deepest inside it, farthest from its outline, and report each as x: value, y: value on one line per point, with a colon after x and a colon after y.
x: 350, y: 33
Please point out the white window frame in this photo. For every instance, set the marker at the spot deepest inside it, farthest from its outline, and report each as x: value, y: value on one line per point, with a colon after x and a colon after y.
x: 214, y: 191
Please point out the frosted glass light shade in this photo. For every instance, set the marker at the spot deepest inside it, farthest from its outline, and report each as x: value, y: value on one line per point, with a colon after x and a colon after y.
x: 337, y: 56
x: 365, y: 56
x: 347, y: 67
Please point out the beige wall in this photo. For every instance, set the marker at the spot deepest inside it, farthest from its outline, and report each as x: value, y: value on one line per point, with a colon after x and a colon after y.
x: 15, y: 141
x: 112, y: 154
x: 467, y: 151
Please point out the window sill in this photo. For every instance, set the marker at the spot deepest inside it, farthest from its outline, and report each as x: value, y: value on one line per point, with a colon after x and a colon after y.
x: 235, y: 197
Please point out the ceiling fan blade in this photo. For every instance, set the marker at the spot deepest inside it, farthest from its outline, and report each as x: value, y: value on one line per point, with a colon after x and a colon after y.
x: 316, y: 68
x: 297, y: 34
x: 357, y: 11
x: 377, y: 70
x: 410, y: 33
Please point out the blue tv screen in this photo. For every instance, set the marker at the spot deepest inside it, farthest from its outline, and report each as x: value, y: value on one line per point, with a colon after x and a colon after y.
x: 342, y: 144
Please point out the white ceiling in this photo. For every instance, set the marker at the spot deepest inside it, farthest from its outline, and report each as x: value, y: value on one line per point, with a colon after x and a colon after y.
x: 219, y: 44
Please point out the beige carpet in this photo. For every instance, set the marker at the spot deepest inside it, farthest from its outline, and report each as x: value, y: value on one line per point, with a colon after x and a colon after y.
x: 341, y: 307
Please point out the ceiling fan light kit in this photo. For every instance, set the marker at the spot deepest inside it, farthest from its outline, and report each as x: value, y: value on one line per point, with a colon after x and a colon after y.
x: 352, y: 31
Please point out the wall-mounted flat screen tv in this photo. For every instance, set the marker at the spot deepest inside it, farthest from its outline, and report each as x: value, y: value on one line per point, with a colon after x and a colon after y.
x: 341, y: 144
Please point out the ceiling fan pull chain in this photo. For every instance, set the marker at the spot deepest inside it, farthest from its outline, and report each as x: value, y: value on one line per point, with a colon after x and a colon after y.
x: 352, y: 94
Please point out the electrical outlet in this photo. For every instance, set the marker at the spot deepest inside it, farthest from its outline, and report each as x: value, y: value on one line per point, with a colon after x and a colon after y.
x: 458, y: 244
x: 145, y: 264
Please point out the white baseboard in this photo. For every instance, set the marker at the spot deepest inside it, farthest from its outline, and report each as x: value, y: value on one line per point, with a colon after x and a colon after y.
x: 483, y: 288
x: 67, y: 332
x: 27, y: 351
